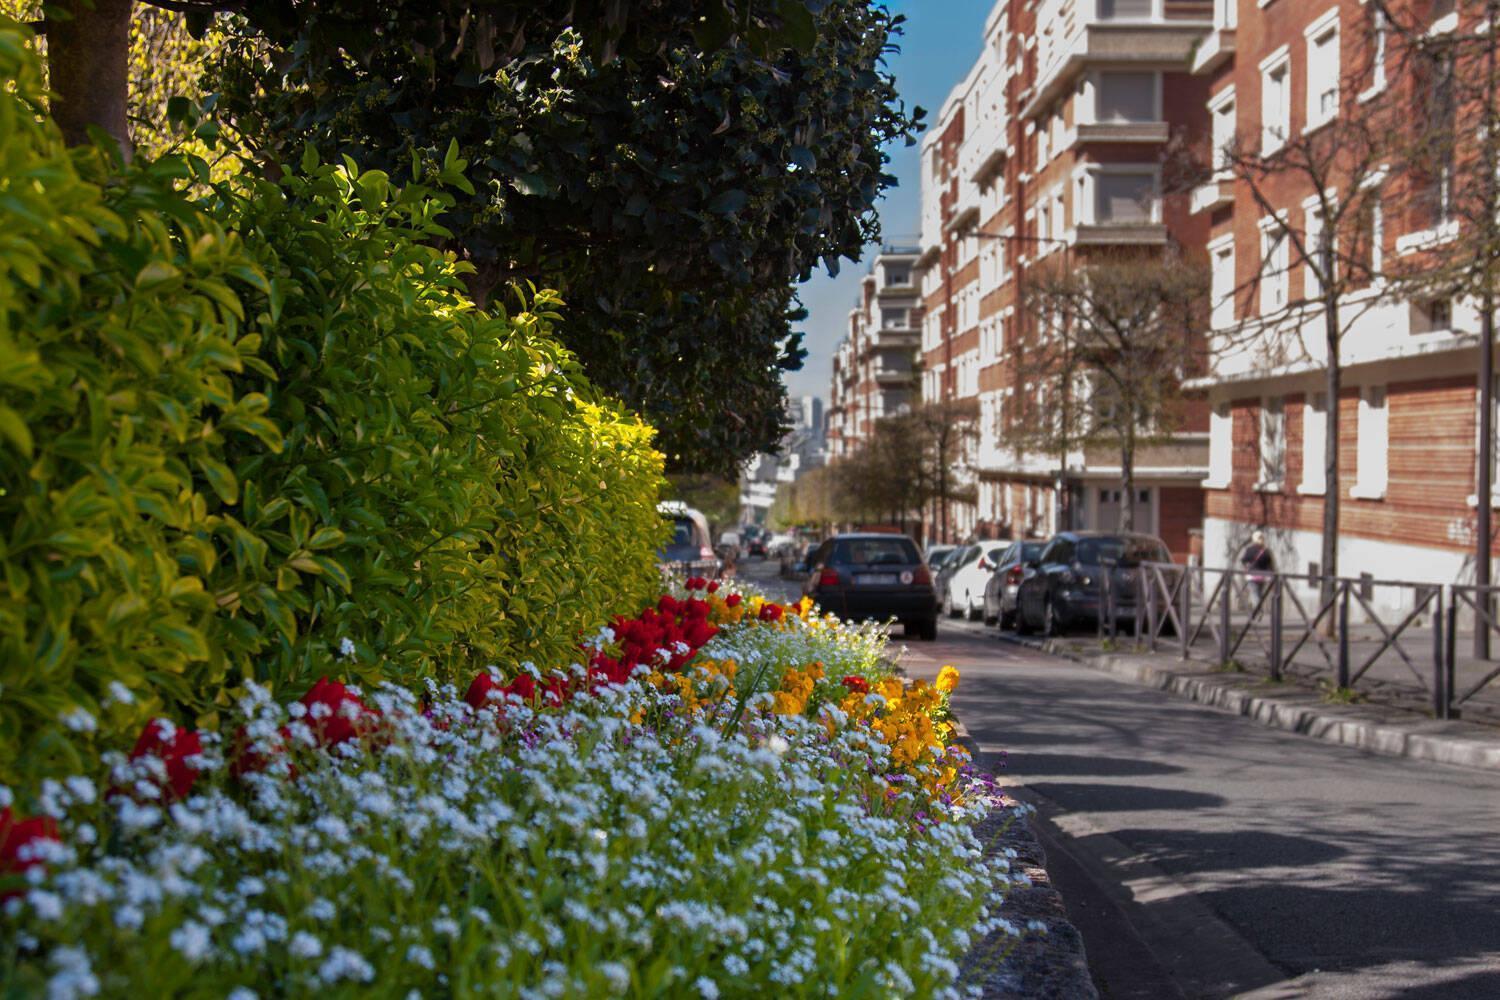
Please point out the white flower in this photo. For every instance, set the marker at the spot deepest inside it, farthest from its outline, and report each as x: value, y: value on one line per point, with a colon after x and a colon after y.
x: 192, y: 940
x: 118, y: 694
x: 79, y: 720
x: 343, y: 963
x: 418, y: 955
x: 305, y: 945
x: 74, y: 977
x: 707, y: 988
x: 346, y: 647
x: 241, y: 993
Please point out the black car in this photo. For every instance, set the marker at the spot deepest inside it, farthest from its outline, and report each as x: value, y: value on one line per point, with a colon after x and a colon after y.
x: 864, y: 576
x: 1005, y: 583
x: 1063, y: 586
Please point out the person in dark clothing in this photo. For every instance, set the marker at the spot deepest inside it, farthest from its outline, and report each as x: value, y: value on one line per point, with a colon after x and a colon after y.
x: 1258, y: 561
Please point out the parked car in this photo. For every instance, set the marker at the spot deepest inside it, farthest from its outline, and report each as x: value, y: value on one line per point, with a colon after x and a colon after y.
x: 879, y: 576
x: 936, y: 554
x: 795, y: 562
x: 963, y: 587
x: 729, y: 546
x: 688, y: 549
x: 946, y: 565
x: 1063, y: 587
x: 1000, y: 592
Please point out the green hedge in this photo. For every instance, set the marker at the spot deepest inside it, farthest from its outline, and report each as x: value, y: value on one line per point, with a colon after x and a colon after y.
x: 239, y: 428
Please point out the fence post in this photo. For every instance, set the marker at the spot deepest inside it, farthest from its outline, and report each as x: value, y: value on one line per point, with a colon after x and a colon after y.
x: 1226, y: 582
x: 1439, y: 685
x: 1109, y: 598
x: 1103, y: 598
x: 1185, y: 609
x: 1343, y: 625
x: 1277, y: 582
x: 1149, y: 576
x: 1447, y: 668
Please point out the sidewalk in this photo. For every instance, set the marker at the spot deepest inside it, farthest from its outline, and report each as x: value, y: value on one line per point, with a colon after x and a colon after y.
x: 1292, y: 704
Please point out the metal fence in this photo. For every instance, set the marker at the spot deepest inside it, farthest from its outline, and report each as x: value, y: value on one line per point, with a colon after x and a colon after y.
x: 1400, y: 639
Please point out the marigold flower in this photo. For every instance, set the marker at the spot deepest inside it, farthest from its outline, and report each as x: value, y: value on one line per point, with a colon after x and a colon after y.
x: 947, y: 680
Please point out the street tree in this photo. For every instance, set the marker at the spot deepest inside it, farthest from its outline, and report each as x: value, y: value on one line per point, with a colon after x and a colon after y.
x: 672, y: 187
x: 1321, y: 266
x: 1447, y: 59
x: 1115, y: 337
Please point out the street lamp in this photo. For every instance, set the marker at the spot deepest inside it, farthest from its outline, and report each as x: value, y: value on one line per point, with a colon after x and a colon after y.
x: 1060, y: 478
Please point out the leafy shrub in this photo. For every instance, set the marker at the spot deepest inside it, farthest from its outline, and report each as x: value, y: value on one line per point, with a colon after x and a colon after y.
x: 236, y: 431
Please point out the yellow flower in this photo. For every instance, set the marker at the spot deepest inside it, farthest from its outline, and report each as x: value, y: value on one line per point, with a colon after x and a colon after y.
x: 947, y: 679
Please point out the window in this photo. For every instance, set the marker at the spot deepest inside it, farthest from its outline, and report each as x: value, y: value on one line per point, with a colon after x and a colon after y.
x: 1275, y: 101
x: 1323, y: 69
x: 1272, y: 443
x: 897, y: 275
x: 1317, y: 243
x: 1121, y: 196
x: 893, y: 319
x: 1379, y: 28
x: 1043, y: 149
x: 1314, y: 437
x: 1221, y: 279
x: 1226, y: 13
x: 1220, y: 447
x: 1127, y: 10
x: 1058, y: 227
x: 1222, y: 111
x: 1274, y: 257
x: 1126, y: 97
x: 1373, y: 443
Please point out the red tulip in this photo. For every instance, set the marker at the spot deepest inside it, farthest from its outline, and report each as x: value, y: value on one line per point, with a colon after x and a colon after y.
x: 173, y: 752
x: 18, y: 838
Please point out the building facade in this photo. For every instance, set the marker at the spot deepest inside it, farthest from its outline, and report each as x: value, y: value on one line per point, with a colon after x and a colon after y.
x: 1278, y: 72
x: 874, y: 369
x: 1048, y: 152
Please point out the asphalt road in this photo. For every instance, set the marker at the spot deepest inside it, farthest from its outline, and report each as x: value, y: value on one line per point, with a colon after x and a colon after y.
x: 1203, y: 855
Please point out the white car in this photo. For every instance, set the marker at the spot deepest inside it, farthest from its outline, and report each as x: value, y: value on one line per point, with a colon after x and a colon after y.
x: 965, y: 591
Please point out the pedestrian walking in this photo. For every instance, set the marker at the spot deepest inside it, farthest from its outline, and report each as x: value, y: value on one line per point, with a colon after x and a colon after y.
x: 1260, y: 564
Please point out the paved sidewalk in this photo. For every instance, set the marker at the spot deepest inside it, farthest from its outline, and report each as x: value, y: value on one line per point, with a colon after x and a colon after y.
x: 1290, y: 705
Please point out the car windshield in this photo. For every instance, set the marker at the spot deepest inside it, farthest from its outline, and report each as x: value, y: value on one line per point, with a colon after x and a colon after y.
x: 876, y: 552
x: 1123, y: 551
x: 1031, y: 551
x: 682, y: 531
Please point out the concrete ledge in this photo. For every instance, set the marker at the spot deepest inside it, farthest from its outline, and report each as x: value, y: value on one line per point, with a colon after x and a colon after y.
x: 1388, y: 731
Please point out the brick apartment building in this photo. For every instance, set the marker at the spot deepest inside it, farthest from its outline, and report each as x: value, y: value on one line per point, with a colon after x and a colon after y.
x: 873, y: 368
x: 1049, y: 150
x: 1408, y: 461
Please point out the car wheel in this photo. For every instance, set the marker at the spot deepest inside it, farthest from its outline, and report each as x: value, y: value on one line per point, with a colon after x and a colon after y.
x: 974, y: 613
x: 949, y: 608
x: 1051, y: 625
x: 1023, y: 624
x: 1007, y: 621
x: 927, y: 629
x: 990, y: 619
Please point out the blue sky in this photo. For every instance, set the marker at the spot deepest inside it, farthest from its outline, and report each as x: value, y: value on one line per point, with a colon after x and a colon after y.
x: 941, y: 41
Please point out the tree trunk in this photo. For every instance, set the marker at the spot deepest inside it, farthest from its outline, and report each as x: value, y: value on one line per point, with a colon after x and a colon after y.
x: 1127, y: 476
x: 1486, y: 458
x: 88, y: 55
x: 1330, y: 553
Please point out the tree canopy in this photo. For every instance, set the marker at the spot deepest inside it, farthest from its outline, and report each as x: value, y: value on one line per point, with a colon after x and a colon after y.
x: 671, y: 172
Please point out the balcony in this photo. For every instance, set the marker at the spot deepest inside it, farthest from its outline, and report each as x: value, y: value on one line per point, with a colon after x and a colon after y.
x: 1215, y: 50
x: 1115, y: 234
x: 1214, y: 195
x: 1153, y: 132
x: 1080, y: 32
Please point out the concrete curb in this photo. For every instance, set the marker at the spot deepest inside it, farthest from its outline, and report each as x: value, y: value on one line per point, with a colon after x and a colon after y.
x: 1390, y: 732
x: 1050, y: 964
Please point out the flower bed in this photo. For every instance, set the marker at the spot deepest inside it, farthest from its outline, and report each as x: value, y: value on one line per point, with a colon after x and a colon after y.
x: 724, y: 797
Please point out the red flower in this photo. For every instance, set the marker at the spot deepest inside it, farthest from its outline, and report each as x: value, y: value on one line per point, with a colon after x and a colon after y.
x: 334, y: 714
x: 173, y: 752
x: 770, y: 612
x: 732, y: 600
x: 18, y: 839
x: 711, y: 586
x: 857, y: 684
x: 479, y: 694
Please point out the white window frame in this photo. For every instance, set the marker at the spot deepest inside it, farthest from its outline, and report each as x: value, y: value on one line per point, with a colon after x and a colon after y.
x: 1272, y: 474
x: 1226, y: 14
x: 1275, y: 131
x: 1372, y: 444
x: 1222, y: 107
x: 1380, y: 38
x: 1313, y: 227
x: 1323, y: 31
x: 1220, y: 447
x: 1314, y: 452
x: 1221, y: 270
x: 1274, y: 281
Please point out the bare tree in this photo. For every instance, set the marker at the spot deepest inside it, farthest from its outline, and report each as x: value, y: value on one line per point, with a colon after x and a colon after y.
x: 1337, y: 168
x: 1446, y: 56
x: 1116, y: 337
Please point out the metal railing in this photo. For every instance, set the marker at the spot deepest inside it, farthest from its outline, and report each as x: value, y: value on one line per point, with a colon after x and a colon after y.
x: 1336, y: 630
